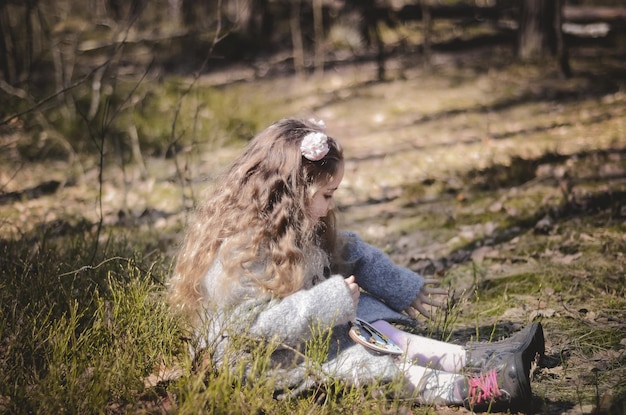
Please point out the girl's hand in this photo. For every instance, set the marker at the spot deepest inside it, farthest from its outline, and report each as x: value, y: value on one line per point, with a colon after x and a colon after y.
x: 354, y: 289
x: 425, y: 297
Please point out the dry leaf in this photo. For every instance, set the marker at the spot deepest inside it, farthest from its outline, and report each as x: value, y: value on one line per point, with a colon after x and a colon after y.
x: 496, y: 207
x: 163, y: 375
x: 483, y: 252
x: 546, y: 313
x: 566, y: 259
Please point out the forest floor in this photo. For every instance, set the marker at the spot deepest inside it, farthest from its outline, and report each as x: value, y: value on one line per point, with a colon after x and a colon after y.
x: 508, y: 182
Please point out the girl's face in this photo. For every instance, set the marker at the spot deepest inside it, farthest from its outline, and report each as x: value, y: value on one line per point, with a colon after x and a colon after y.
x: 322, y: 200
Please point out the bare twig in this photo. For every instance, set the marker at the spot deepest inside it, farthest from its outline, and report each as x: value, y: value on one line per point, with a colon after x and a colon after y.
x: 94, y: 267
x: 174, y: 138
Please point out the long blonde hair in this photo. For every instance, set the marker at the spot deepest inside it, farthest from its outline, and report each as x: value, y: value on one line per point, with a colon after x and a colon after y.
x: 259, y: 210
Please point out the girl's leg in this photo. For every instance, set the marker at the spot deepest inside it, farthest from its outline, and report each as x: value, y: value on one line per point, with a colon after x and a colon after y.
x: 431, y: 386
x: 427, y: 352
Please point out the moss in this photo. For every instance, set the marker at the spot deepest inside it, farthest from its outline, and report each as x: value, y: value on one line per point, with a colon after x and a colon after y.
x: 511, y: 284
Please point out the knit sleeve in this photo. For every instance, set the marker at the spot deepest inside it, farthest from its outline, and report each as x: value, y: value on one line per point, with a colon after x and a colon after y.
x: 375, y: 273
x: 297, y: 317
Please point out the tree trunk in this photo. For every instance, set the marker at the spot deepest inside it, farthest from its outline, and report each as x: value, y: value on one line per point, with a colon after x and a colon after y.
x: 561, y: 47
x: 537, y: 34
x: 318, y: 28
x: 175, y: 11
x: 427, y: 24
x: 296, y: 37
x: 8, y: 64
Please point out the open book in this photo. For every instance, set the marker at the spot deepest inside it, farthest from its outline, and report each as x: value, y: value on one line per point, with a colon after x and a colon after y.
x: 365, y: 334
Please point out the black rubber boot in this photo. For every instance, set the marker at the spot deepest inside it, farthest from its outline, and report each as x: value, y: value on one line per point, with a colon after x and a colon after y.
x: 529, y: 342
x: 503, y: 387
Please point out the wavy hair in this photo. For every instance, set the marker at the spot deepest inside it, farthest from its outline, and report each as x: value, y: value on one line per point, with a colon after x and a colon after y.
x: 259, y: 213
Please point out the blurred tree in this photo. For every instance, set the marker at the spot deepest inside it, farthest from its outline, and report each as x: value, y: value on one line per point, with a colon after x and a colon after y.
x: 540, y: 32
x: 371, y: 14
x: 196, y: 14
x: 255, y: 18
x: 318, y: 30
x: 175, y: 10
x: 21, y: 39
x: 126, y: 9
x: 561, y: 47
x: 296, y: 37
x: 537, y: 34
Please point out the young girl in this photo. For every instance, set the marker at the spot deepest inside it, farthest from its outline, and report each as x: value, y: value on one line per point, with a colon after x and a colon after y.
x: 262, y: 257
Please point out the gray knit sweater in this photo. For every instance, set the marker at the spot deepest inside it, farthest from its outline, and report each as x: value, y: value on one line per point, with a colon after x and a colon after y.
x: 324, y: 305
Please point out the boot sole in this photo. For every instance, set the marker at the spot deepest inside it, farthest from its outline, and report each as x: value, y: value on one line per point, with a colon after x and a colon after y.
x: 523, y: 401
x: 534, y: 345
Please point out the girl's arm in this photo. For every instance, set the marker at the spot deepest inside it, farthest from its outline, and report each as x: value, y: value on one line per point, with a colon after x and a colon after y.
x: 297, y: 317
x: 397, y: 286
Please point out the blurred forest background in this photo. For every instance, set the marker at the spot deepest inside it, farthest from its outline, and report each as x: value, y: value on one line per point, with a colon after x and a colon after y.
x: 64, y: 64
x: 485, y: 143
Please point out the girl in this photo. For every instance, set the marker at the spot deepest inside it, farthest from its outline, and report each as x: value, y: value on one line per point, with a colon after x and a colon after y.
x: 262, y: 257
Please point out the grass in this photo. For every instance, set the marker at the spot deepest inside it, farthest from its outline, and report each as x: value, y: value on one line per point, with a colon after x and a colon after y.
x: 78, y: 339
x: 100, y: 339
